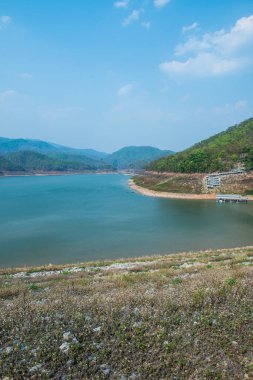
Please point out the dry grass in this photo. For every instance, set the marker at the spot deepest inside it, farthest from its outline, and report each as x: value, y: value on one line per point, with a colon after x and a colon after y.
x: 194, y: 183
x: 172, y: 182
x: 242, y: 185
x: 186, y: 316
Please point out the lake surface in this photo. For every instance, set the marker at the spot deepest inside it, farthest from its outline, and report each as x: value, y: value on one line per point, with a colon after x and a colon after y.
x: 66, y: 219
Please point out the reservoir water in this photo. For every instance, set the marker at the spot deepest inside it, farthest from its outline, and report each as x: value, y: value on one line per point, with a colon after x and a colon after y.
x: 67, y: 219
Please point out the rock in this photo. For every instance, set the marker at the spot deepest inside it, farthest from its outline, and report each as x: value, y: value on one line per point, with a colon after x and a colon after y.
x: 8, y: 350
x: 134, y: 376
x: 105, y: 369
x: 137, y: 324
x: 34, y: 352
x: 97, y: 329
x: 92, y: 358
x: 35, y: 368
x: 69, y: 337
x: 125, y: 310
x: 150, y: 291
x: 65, y: 347
x: 23, y: 347
x: 98, y: 345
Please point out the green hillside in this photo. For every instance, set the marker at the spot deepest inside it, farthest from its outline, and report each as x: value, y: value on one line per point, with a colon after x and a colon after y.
x: 220, y: 152
x: 32, y: 161
x: 135, y: 157
x: 8, y: 166
x: 36, y: 155
x: 14, y: 145
x: 95, y: 163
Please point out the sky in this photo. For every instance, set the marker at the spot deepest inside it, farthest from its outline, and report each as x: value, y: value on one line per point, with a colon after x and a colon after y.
x: 105, y: 74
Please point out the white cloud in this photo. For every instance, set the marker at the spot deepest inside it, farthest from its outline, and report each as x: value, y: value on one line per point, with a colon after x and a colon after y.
x: 190, y: 28
x: 8, y: 94
x: 205, y: 64
x: 134, y: 16
x: 241, y: 104
x: 146, y: 24
x: 221, y: 41
x: 121, y: 4
x: 228, y: 108
x: 4, y: 21
x: 125, y: 90
x: 25, y: 76
x: 161, y: 3
x: 215, y: 53
x: 191, y: 45
x: 185, y: 98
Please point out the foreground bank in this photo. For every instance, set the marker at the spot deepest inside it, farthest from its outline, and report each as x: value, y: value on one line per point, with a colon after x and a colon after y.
x: 184, y: 316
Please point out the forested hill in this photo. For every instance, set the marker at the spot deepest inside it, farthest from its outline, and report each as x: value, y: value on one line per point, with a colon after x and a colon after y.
x: 135, y: 157
x: 39, y: 156
x: 27, y: 161
x: 220, y: 152
x: 35, y: 155
x: 17, y: 145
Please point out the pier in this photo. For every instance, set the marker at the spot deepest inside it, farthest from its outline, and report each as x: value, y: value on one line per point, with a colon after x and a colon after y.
x: 231, y: 198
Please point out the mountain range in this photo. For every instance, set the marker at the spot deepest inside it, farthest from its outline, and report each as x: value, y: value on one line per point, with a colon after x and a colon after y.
x: 25, y: 155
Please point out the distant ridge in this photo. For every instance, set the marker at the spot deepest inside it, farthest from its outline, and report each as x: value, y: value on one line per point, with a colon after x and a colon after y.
x: 135, y: 157
x: 15, y: 145
x: 220, y: 152
x: 28, y: 155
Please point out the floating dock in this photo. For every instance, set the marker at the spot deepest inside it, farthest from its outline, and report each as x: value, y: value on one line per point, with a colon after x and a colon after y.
x: 232, y: 198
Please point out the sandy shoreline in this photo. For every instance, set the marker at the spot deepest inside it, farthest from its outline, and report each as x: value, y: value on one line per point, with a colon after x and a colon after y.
x: 162, y: 194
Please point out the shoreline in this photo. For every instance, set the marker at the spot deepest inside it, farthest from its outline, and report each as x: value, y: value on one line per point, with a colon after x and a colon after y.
x: 56, y: 174
x: 163, y: 194
x: 120, y: 264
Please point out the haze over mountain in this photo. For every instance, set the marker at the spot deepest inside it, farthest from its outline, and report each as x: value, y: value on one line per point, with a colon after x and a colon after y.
x: 15, y: 145
x: 34, y: 155
x: 220, y: 152
x: 133, y: 157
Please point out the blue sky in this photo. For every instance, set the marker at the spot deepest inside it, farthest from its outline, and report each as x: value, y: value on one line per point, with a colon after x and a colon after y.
x: 106, y: 74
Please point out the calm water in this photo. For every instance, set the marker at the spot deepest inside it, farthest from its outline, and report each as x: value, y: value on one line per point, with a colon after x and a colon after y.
x: 75, y: 218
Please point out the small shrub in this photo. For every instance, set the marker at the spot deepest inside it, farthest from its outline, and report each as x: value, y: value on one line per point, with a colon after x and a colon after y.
x: 231, y: 281
x: 177, y: 281
x: 33, y: 287
x: 66, y: 272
